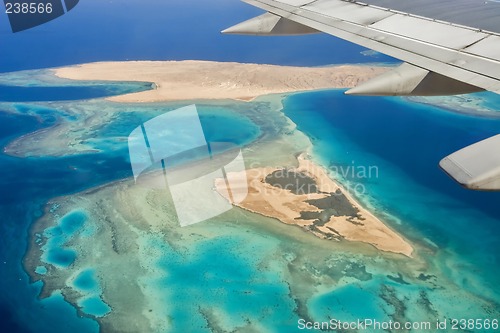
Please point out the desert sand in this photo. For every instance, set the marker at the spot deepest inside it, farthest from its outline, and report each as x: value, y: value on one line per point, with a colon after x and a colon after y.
x: 344, y: 218
x: 189, y: 80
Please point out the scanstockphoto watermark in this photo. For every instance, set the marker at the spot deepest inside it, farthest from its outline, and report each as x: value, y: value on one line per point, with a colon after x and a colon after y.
x: 369, y: 325
x: 374, y: 325
x: 355, y: 175
x: 307, y: 179
x: 310, y: 179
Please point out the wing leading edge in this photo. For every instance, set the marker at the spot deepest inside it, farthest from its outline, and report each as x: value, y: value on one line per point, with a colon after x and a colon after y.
x: 441, y: 58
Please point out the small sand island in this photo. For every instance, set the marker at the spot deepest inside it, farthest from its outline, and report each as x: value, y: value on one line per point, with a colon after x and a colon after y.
x: 190, y: 79
x: 306, y: 196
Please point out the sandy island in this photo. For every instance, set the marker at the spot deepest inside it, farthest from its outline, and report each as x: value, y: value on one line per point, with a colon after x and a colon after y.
x: 188, y: 80
x: 306, y: 196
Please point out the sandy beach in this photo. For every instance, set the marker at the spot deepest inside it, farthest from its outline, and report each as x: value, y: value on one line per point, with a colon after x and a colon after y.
x: 189, y: 80
x: 306, y: 196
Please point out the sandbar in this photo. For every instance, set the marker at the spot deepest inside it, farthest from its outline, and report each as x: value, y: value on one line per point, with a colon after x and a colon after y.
x: 192, y: 79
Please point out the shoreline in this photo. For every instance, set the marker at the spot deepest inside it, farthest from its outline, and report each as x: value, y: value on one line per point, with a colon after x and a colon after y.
x: 465, y: 105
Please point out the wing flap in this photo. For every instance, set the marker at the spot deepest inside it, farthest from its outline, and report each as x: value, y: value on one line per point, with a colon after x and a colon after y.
x: 297, y: 3
x: 488, y: 48
x: 348, y: 11
x: 431, y: 32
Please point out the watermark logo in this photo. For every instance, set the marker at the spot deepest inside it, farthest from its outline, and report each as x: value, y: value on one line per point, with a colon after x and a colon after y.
x: 27, y: 14
x: 157, y: 150
x: 355, y: 176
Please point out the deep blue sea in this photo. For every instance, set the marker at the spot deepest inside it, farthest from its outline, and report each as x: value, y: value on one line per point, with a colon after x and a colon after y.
x: 26, y: 185
x: 405, y: 141
x: 163, y: 30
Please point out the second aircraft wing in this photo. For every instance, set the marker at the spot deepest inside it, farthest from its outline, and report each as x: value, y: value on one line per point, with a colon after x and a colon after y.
x: 449, y: 47
x: 442, y: 57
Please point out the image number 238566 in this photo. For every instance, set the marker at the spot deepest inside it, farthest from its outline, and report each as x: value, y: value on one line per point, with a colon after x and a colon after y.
x: 27, y: 15
x: 25, y: 8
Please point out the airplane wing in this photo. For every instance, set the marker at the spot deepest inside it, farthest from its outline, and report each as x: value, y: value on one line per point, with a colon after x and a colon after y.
x: 476, y: 166
x: 445, y: 53
x: 448, y: 47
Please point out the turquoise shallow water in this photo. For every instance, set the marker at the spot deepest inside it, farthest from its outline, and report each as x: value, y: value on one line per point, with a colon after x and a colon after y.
x: 91, y: 303
x: 344, y: 303
x: 55, y: 250
x: 222, y: 277
x: 86, y: 281
x: 71, y: 223
x: 404, y: 142
x: 94, y: 306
